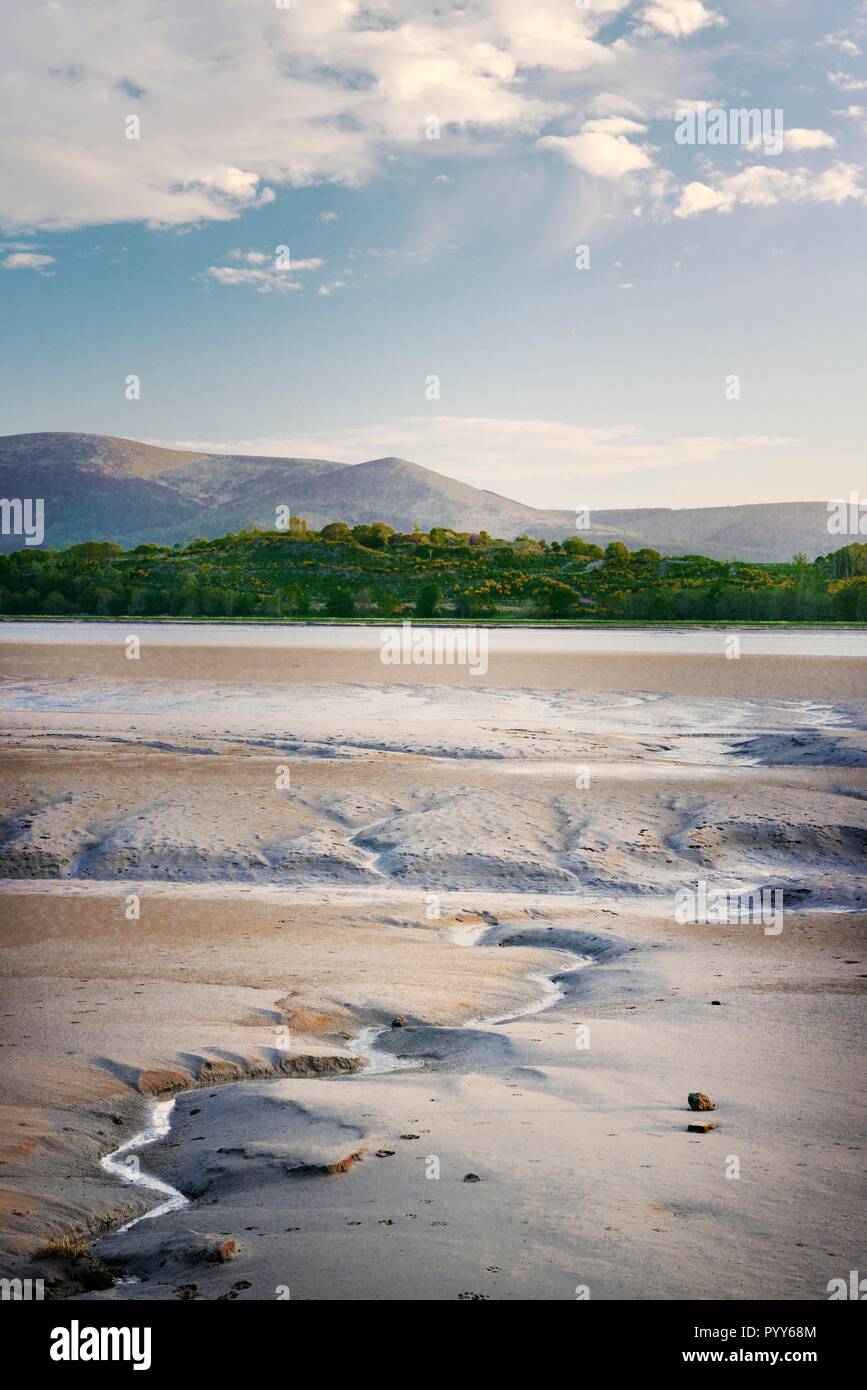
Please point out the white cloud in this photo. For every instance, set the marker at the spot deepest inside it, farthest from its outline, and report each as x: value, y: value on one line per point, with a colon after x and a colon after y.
x: 844, y: 83
x: 800, y: 139
x: 28, y: 260
x: 843, y: 42
x: 602, y: 147
x: 679, y: 18
x: 762, y: 186
x: 235, y: 98
x: 700, y: 197
x: 267, y: 274
x: 614, y: 104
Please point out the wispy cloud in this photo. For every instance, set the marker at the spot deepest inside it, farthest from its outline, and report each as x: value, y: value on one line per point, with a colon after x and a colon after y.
x: 540, y: 460
x: 844, y: 82
x: 29, y: 260
x: 267, y: 274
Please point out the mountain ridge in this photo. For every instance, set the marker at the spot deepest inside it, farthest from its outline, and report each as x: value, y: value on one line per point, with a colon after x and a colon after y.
x: 108, y: 487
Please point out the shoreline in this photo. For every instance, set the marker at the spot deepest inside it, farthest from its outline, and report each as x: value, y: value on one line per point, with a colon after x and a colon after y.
x: 533, y: 624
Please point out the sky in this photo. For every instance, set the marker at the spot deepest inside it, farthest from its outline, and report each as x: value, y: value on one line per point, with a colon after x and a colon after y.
x: 486, y: 236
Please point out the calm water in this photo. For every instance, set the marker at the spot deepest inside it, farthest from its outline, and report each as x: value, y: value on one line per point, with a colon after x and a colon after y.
x: 660, y: 641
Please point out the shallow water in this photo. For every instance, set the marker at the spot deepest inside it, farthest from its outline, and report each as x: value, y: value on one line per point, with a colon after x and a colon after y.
x: 119, y: 1165
x: 379, y: 1061
x: 662, y: 641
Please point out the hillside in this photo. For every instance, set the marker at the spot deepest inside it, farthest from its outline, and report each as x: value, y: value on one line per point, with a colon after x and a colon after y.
x: 99, y: 487
x: 374, y: 573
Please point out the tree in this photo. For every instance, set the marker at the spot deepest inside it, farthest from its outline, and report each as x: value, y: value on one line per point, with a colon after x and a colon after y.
x: 389, y: 605
x: 616, y: 555
x: 340, y: 604
x: 94, y: 550
x: 426, y: 603
x: 243, y: 605
x: 555, y: 599
x: 94, y: 598
x: 648, y: 557
x: 55, y: 603
x: 335, y: 531
x: 373, y: 537
x: 581, y: 550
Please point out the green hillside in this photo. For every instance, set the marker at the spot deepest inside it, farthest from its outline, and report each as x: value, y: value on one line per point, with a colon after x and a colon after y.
x: 370, y: 571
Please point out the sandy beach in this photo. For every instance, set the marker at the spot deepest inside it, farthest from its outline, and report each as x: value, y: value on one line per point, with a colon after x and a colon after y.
x: 229, y: 868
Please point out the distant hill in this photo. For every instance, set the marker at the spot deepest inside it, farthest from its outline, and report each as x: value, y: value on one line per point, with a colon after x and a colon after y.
x: 98, y: 487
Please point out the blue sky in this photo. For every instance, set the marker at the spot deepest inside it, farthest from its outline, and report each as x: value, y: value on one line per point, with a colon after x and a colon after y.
x: 409, y: 257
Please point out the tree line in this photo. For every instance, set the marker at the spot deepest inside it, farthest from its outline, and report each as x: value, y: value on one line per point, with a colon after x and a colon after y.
x: 374, y: 571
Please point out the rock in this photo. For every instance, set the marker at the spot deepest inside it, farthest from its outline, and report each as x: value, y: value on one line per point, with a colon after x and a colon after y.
x: 699, y: 1101
x: 398, y: 1022
x: 225, y: 1251
x: 716, y: 1001
x: 700, y: 1126
x: 385, y: 1153
x: 472, y: 1177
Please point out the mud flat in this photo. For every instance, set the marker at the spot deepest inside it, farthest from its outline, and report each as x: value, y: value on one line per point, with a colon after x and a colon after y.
x: 223, y: 892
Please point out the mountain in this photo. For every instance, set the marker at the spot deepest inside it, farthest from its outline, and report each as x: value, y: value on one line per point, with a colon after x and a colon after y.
x: 98, y: 487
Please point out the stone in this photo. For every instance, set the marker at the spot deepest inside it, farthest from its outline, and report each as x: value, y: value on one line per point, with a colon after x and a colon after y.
x: 699, y: 1101
x: 472, y: 1177
x: 225, y: 1251
x: 398, y: 1022
x: 700, y: 1126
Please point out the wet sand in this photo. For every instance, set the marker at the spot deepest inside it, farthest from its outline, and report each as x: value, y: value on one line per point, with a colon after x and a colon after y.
x: 438, y: 853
